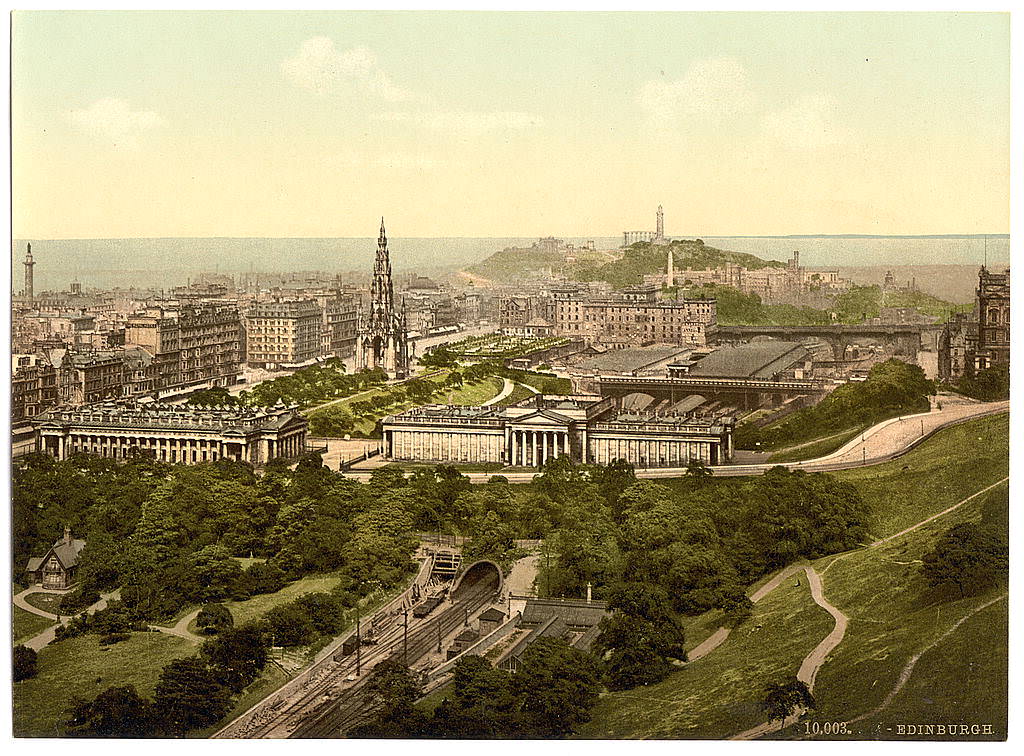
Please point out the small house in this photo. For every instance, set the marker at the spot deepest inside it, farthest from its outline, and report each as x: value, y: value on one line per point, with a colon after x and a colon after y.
x: 490, y: 621
x: 58, y: 567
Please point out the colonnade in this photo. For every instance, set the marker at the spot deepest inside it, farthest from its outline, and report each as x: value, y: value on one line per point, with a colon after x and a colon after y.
x: 532, y: 448
x: 643, y: 452
x: 445, y: 446
x: 167, y: 448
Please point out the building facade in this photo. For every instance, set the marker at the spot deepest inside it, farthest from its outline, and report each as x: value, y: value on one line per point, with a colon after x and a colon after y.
x: 180, y: 434
x: 383, y: 339
x: 283, y: 333
x: 993, y: 296
x: 586, y: 428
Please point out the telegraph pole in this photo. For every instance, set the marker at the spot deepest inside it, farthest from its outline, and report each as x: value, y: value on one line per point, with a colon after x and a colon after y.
x: 405, y: 638
x: 359, y: 642
x: 438, y: 635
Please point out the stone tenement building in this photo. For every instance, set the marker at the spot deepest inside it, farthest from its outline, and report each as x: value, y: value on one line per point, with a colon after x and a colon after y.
x: 633, y: 317
x: 383, y: 340
x: 190, y: 345
x: 183, y: 434
x: 283, y: 333
x: 587, y: 428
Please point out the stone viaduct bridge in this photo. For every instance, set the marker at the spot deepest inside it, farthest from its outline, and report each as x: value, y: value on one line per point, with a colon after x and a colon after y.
x: 906, y: 338
x: 750, y: 392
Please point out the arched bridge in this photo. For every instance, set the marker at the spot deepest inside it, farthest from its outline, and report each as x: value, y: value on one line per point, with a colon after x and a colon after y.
x: 752, y: 392
x: 905, y: 337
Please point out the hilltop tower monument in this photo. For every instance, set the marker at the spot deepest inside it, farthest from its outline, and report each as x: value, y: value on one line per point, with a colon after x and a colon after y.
x: 659, y: 232
x: 29, y: 264
x: 383, y: 338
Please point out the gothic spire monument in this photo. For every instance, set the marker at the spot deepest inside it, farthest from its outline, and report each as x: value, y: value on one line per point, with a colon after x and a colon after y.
x: 383, y: 338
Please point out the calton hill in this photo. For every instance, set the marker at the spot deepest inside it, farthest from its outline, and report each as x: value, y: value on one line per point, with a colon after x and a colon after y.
x: 202, y: 569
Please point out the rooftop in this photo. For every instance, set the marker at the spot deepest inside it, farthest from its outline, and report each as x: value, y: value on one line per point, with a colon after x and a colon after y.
x: 762, y: 359
x: 629, y: 360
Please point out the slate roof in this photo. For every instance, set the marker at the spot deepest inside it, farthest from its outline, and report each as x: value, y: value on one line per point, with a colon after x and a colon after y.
x: 574, y: 613
x: 761, y: 359
x: 493, y: 615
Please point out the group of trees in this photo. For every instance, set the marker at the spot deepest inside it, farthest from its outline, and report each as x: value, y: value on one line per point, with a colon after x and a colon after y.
x: 990, y: 384
x: 169, y: 535
x: 892, y: 388
x: 549, y: 695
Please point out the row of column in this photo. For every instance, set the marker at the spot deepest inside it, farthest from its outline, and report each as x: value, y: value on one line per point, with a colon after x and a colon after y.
x: 653, y: 453
x: 444, y: 446
x: 187, y: 450
x: 532, y: 448
x: 288, y: 447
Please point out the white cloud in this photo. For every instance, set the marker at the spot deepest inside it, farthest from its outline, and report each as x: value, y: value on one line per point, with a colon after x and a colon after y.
x: 113, y: 119
x: 468, y: 122
x: 320, y: 66
x: 713, y: 87
x: 810, y: 123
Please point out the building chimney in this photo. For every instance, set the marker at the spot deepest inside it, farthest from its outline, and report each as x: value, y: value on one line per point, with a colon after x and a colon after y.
x: 590, y: 594
x: 67, y: 534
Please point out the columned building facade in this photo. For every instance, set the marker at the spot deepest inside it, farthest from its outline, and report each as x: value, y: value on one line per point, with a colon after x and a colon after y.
x: 184, y: 435
x: 584, y: 427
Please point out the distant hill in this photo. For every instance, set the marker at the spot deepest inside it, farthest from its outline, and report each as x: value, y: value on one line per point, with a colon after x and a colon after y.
x: 644, y: 258
x: 637, y: 260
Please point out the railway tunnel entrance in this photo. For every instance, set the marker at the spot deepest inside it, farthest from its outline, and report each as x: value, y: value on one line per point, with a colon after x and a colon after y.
x: 481, y: 576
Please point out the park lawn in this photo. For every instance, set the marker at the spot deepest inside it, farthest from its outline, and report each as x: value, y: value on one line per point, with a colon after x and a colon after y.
x: 81, y: 668
x: 944, y: 469
x: 519, y: 392
x: 893, y: 616
x: 719, y: 695
x: 26, y: 625
x: 817, y: 448
x: 48, y: 602
x: 257, y: 606
x: 977, y: 694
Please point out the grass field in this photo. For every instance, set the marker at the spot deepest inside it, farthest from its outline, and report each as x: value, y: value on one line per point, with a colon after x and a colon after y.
x: 814, y: 449
x: 48, y: 602
x: 953, y: 464
x: 243, y: 611
x: 26, y: 625
x: 719, y: 695
x: 80, y: 667
x: 893, y: 616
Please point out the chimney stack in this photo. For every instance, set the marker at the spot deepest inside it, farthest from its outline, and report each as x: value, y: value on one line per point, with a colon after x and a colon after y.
x: 590, y: 596
x: 67, y: 534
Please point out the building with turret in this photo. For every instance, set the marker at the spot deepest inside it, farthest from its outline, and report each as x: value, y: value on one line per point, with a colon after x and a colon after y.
x: 383, y: 336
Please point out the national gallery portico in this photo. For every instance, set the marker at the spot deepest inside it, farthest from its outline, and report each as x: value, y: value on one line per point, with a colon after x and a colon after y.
x: 585, y: 427
x: 182, y: 434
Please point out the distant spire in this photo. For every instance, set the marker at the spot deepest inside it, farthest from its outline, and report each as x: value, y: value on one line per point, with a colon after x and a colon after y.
x: 383, y: 236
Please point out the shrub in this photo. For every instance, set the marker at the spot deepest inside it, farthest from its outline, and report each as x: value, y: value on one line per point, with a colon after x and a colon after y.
x: 23, y: 663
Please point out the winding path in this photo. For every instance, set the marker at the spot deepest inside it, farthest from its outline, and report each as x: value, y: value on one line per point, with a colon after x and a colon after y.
x: 45, y: 638
x: 507, y: 388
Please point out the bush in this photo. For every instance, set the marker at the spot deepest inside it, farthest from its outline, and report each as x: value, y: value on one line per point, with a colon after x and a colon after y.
x: 23, y: 663
x: 111, y: 638
x: 213, y: 618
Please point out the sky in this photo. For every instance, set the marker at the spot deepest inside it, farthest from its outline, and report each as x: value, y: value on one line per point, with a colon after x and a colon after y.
x: 315, y: 124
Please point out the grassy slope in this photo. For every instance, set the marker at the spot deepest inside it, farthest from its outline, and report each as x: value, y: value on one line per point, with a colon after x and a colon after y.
x: 813, y: 449
x: 718, y: 695
x: 81, y: 667
x: 243, y: 611
x: 892, y: 616
x: 27, y: 625
x: 953, y: 464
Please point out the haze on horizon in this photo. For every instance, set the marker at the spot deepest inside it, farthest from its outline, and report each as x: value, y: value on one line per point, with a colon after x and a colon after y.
x: 454, y: 124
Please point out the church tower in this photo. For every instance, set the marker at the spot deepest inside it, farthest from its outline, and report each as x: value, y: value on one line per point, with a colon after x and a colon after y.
x: 383, y: 340
x: 29, y: 264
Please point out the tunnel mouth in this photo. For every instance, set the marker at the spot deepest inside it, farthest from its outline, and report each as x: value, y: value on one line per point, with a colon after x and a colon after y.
x: 478, y: 574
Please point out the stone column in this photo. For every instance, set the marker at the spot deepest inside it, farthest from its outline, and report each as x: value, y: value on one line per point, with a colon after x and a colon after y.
x: 544, y: 441
x: 513, y: 447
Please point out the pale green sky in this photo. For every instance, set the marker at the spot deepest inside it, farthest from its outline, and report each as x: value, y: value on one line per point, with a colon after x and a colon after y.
x: 498, y: 124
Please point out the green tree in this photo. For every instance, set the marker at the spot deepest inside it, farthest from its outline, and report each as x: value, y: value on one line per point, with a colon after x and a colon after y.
x: 23, y: 663
x: 785, y: 699
x: 189, y: 696
x: 214, y: 618
x: 393, y: 688
x: 117, y: 712
x: 482, y: 704
x: 969, y: 556
x: 558, y: 685
x: 237, y: 655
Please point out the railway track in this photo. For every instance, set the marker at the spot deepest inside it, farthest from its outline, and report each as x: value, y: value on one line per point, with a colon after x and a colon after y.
x: 332, y: 702
x: 333, y: 719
